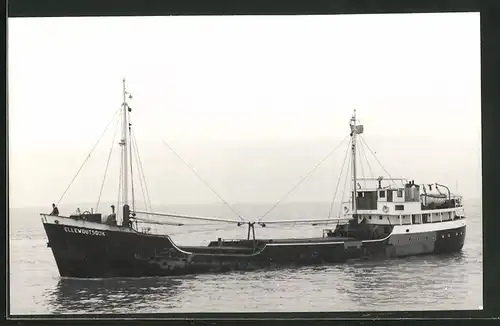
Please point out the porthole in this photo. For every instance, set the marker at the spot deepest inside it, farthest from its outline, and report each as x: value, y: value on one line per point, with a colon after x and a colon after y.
x: 457, y: 233
x: 409, y: 239
x: 448, y: 235
x: 369, y: 217
x: 433, y: 238
x: 442, y: 236
x: 407, y: 230
x: 380, y: 217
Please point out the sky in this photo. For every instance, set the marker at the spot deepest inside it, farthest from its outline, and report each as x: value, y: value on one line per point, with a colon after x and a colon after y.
x: 253, y: 103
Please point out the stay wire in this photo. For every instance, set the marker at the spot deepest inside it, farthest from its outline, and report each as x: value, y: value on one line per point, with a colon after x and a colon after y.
x: 131, y: 162
x: 107, y: 165
x: 199, y: 177
x: 303, y: 179
x: 203, y: 230
x: 377, y: 159
x: 120, y: 181
x: 88, y: 157
x: 119, y: 187
x: 144, y: 189
x: 338, y: 180
x: 362, y: 149
x: 139, y: 173
x: 361, y: 165
x: 141, y: 166
x: 345, y: 183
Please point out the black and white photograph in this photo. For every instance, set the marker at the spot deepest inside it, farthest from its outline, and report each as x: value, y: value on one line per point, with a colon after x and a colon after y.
x: 252, y: 163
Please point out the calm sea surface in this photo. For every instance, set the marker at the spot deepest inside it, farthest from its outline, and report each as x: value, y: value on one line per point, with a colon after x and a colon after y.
x: 419, y: 283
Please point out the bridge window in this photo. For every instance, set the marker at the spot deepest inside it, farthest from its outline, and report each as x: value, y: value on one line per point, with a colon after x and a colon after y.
x: 399, y: 207
x: 367, y: 200
x: 400, y: 193
x: 381, y: 194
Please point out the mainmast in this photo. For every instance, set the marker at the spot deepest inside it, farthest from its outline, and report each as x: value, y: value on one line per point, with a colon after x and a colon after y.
x: 355, y: 129
x: 123, y: 143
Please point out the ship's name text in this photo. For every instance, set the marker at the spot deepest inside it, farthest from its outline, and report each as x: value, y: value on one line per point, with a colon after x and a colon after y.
x: 84, y: 231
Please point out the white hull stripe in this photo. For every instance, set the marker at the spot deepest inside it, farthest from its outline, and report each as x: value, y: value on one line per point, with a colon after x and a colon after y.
x: 428, y: 227
x: 303, y: 243
x: 398, y: 229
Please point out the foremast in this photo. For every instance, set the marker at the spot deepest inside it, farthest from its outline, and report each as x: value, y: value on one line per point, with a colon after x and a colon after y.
x: 124, y: 157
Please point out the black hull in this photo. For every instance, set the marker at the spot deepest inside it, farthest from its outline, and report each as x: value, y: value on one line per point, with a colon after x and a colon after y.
x: 85, y: 252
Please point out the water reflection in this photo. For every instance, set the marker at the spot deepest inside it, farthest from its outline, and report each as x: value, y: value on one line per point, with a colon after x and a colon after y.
x: 400, y: 282
x: 120, y: 295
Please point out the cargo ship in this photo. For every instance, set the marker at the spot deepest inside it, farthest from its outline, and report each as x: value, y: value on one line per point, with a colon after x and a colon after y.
x: 384, y: 218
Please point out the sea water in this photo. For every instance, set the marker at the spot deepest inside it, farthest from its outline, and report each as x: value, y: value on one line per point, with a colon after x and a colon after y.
x: 416, y: 283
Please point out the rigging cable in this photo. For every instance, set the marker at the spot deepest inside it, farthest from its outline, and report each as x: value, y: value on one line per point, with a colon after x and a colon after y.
x: 107, y: 165
x: 145, y: 194
x: 120, y: 179
x: 366, y: 159
x: 143, y: 221
x: 361, y: 165
x: 204, y: 230
x: 131, y: 160
x: 199, y: 177
x: 345, y: 183
x: 304, y: 178
x: 88, y: 157
x: 338, y: 180
x: 141, y: 169
x: 139, y: 173
x: 376, y: 159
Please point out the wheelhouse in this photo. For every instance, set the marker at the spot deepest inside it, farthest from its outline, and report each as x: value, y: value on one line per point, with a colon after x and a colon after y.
x: 399, y: 201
